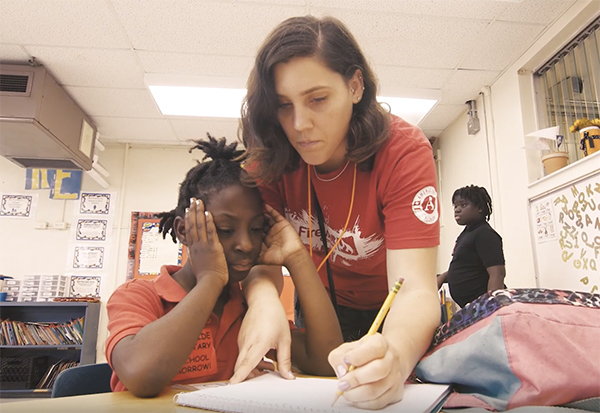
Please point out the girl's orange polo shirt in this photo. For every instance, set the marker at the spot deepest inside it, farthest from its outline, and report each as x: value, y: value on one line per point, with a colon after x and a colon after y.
x: 137, y: 303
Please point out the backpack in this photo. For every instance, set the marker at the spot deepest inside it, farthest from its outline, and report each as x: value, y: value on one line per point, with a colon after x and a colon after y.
x: 519, y: 347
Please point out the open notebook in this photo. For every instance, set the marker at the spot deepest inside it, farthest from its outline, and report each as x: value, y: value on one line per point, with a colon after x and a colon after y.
x: 272, y: 393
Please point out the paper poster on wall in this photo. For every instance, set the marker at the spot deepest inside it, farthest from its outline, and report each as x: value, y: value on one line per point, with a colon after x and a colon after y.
x: 39, y: 178
x: 545, y: 229
x: 62, y: 183
x: 566, y: 223
x: 67, y: 185
x: 148, y: 251
x: 92, y: 229
x: 96, y: 203
x: 87, y: 257
x: 21, y: 206
x: 84, y: 286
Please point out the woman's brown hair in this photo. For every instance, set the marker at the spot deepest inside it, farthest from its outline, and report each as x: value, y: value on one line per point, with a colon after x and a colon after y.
x: 269, y: 153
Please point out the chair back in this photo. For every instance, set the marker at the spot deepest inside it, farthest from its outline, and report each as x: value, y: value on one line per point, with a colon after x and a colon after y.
x: 80, y: 380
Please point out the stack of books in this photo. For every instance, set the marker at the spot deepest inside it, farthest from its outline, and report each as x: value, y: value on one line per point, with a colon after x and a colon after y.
x: 47, y: 381
x: 19, y: 333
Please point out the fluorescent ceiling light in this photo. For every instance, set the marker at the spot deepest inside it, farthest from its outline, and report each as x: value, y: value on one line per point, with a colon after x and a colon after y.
x: 181, y: 96
x: 198, y: 101
x: 412, y: 110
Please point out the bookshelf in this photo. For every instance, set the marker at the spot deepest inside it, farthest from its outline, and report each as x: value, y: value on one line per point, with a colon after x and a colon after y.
x: 47, y: 312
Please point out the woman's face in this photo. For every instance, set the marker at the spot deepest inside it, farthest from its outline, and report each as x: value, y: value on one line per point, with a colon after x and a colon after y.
x: 315, y: 107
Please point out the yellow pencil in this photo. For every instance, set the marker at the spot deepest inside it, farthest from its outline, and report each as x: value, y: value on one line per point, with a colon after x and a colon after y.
x: 377, y: 322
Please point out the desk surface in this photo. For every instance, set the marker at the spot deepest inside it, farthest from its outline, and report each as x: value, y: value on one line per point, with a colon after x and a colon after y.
x: 121, y: 402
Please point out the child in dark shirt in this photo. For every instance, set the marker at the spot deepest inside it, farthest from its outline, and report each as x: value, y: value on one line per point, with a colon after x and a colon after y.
x: 477, y: 264
x: 182, y: 327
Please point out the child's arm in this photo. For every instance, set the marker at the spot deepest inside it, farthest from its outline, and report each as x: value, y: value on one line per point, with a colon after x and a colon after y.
x: 147, y: 361
x: 441, y: 278
x: 322, y: 333
x: 489, y: 248
x: 496, y: 280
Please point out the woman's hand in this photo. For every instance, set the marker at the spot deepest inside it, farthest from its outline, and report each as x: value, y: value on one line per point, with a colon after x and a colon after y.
x: 377, y: 379
x: 281, y: 242
x: 263, y: 367
x: 205, y: 251
x: 258, y: 336
x: 264, y: 327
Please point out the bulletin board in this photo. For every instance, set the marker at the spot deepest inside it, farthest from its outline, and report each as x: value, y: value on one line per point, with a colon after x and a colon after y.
x: 566, y: 234
x: 148, y: 251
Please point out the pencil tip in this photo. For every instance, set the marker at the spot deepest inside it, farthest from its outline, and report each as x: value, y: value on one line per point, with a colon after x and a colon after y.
x: 337, y: 396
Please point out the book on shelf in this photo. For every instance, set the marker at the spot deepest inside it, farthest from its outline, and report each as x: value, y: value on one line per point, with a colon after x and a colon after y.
x: 11, y: 341
x: 3, y: 334
x: 47, y: 381
x: 37, y: 338
x: 20, y: 333
x: 25, y: 335
x: 29, y: 338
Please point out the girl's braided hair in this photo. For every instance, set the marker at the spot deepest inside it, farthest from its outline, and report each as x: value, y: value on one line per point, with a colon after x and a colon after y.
x: 224, y: 168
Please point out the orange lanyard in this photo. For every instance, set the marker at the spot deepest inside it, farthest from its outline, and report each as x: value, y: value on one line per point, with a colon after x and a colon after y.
x: 310, y: 218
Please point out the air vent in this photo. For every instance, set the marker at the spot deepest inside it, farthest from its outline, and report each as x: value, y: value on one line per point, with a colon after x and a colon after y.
x: 46, y: 163
x: 43, y: 127
x: 15, y: 84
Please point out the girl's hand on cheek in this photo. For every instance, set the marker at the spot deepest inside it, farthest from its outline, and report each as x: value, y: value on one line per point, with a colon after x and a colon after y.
x: 281, y: 242
x: 205, y: 251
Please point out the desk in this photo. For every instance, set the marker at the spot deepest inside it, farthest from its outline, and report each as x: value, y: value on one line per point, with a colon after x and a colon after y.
x: 120, y: 402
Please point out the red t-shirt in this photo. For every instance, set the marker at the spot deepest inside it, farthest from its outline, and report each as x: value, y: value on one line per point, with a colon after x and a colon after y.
x: 395, y: 207
x: 137, y: 303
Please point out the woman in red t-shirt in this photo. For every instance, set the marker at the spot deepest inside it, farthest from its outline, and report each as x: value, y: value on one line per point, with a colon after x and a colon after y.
x: 359, y: 186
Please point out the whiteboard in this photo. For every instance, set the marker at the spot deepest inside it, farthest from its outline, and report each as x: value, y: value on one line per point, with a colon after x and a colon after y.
x: 566, y: 234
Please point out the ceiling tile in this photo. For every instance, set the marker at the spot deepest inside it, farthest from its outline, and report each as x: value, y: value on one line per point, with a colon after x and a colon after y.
x: 441, y: 116
x: 228, y: 28
x: 196, y: 64
x: 156, y: 131
x: 430, y: 133
x: 540, y: 12
x: 466, y: 9
x: 91, y: 67
x: 411, y: 77
x: 61, y: 23
x: 135, y: 103
x: 194, y: 128
x: 463, y: 85
x: 419, y: 41
x: 272, y: 2
x: 13, y: 54
x: 500, y: 45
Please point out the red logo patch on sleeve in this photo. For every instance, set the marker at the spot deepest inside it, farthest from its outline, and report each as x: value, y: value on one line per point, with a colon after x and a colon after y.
x: 425, y: 205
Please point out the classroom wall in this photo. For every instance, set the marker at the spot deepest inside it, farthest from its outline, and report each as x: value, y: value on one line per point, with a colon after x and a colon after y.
x: 143, y: 178
x: 494, y: 157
